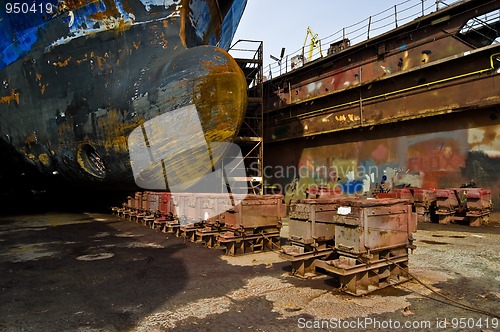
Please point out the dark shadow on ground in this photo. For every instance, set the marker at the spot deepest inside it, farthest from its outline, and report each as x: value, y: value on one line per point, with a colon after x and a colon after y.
x: 46, y: 286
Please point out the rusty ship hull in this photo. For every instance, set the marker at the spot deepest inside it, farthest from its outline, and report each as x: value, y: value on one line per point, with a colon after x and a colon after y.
x: 79, y: 78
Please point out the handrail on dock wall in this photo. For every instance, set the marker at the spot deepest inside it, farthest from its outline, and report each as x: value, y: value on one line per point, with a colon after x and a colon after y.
x: 374, y: 25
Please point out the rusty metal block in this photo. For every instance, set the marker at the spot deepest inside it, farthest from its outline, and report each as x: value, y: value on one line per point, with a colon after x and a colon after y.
x: 424, y: 197
x: 136, y: 207
x: 367, y: 225
x: 308, y: 232
x: 404, y: 193
x: 472, y: 205
x: 247, y: 214
x: 424, y: 202
x: 311, y: 221
x: 477, y: 198
x: 371, y: 238
x: 446, y: 200
x: 256, y: 211
x: 138, y: 200
x: 154, y: 201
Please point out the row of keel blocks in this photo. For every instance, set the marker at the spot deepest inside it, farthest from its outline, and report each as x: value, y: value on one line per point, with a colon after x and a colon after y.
x: 470, y: 206
x: 234, y: 243
x: 251, y: 226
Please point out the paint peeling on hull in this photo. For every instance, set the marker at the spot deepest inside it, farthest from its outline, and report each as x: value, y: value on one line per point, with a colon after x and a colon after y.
x: 94, y: 71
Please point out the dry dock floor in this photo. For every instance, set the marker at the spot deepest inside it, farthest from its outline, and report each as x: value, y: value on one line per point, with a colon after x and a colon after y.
x: 97, y: 272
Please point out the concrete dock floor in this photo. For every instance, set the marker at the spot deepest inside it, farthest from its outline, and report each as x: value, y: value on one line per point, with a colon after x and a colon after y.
x: 97, y: 272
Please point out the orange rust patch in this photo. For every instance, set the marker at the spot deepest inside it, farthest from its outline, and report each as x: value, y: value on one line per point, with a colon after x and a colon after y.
x: 99, y: 16
x: 123, y: 25
x: 164, y: 41
x: 136, y: 45
x: 85, y: 58
x: 31, y: 139
x: 219, y: 69
x: 182, y: 33
x: 62, y: 64
x: 42, y: 86
x: 115, y: 131
x: 14, y: 96
x: 99, y: 61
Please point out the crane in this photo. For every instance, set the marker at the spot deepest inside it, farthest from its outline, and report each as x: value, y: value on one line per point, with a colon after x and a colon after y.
x: 315, y: 42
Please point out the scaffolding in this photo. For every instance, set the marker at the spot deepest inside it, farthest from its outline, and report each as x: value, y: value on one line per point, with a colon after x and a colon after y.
x: 249, y: 56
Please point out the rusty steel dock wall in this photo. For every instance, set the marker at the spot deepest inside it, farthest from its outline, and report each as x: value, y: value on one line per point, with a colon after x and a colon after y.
x: 417, y: 106
x: 435, y: 152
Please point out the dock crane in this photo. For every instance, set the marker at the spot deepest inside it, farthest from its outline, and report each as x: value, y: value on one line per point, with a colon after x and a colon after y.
x: 314, y: 42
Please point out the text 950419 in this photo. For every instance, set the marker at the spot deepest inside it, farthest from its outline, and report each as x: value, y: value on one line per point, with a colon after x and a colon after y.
x: 29, y: 8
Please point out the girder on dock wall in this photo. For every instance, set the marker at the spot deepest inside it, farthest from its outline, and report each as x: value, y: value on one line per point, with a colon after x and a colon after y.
x: 436, y: 88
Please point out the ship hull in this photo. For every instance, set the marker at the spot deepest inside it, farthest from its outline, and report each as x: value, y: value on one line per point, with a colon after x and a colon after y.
x: 97, y: 72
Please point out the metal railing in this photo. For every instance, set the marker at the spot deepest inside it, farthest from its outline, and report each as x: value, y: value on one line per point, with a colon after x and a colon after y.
x: 374, y: 25
x: 250, y: 50
x: 488, y: 22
